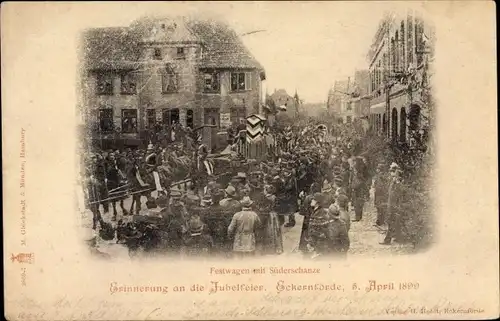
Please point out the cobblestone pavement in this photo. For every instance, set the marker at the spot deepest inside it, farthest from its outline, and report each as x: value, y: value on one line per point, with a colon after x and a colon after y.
x: 363, y: 235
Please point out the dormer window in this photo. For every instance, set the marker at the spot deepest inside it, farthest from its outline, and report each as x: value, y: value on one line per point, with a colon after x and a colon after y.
x: 180, y: 52
x: 157, y: 54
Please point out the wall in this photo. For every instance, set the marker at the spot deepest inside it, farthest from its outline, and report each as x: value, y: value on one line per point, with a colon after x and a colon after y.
x: 152, y: 95
x: 189, y: 96
x: 225, y: 100
x: 117, y: 101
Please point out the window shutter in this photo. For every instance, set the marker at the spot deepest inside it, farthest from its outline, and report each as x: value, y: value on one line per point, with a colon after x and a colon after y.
x: 248, y: 80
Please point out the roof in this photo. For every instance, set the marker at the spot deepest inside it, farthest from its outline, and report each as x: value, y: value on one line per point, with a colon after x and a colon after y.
x: 281, y: 97
x: 222, y: 47
x: 110, y: 48
x: 120, y: 47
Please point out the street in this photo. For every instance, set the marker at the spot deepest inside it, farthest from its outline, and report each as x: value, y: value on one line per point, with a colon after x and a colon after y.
x: 364, y: 237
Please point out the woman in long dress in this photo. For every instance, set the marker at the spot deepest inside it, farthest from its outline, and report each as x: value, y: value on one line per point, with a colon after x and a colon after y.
x: 273, y: 237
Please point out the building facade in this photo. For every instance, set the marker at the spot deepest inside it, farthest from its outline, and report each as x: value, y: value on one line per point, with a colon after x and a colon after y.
x: 348, y: 100
x: 336, y: 102
x: 159, y: 72
x: 400, y: 60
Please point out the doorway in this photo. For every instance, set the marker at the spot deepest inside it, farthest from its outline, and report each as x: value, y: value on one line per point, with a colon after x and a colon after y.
x: 212, y: 117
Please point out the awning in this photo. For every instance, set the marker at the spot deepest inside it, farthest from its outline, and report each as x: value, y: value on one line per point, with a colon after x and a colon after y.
x: 377, y: 108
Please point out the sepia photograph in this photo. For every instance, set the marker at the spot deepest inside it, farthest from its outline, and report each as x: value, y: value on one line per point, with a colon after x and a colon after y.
x: 250, y: 160
x: 196, y: 141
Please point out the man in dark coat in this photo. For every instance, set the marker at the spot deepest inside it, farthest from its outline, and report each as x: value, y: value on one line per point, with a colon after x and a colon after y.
x: 137, y: 183
x: 358, y: 182
x: 306, y: 211
x: 318, y: 232
x: 381, y: 185
x: 339, y: 236
x: 287, y: 196
x: 100, y: 176
x: 94, y: 195
x: 394, y: 207
x: 114, y: 179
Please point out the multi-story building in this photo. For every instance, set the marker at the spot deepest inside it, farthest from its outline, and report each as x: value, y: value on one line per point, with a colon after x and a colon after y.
x: 399, y: 60
x: 348, y: 99
x: 336, y: 99
x: 161, y: 71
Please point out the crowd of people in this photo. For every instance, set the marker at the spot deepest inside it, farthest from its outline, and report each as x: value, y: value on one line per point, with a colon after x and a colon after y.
x: 317, y: 175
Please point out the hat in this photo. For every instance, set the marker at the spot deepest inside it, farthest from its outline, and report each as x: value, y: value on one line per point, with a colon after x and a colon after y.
x: 150, y: 147
x: 195, y: 224
x: 241, y: 175
x: 318, y: 197
x: 230, y: 190
x: 151, y: 203
x: 192, y: 199
x: 175, y: 194
x: 333, y: 210
x: 207, y: 200
x: 162, y: 201
x: 246, y: 201
x: 394, y: 166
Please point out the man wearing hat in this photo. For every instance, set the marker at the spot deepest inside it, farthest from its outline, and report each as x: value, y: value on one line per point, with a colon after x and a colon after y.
x: 174, y: 219
x: 339, y: 232
x: 99, y: 173
x: 394, y: 201
x: 243, y: 227
x: 242, y: 186
x: 305, y: 210
x: 358, y: 181
x: 137, y: 183
x: 198, y: 239
x: 204, y: 168
x: 287, y: 197
x: 319, y: 232
x: 229, y: 203
x: 381, y: 184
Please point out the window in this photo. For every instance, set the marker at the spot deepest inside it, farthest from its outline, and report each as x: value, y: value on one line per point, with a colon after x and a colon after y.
x: 106, y: 120
x: 240, y: 81
x: 371, y: 81
x: 403, y: 45
x: 190, y: 118
x: 129, y: 120
x: 419, y: 31
x: 170, y: 116
x: 237, y: 113
x: 211, y: 82
x: 396, y: 51
x: 180, y: 52
x: 169, y: 80
x: 157, y: 54
x: 128, y: 84
x: 151, y: 118
x: 105, y: 84
x: 393, y: 55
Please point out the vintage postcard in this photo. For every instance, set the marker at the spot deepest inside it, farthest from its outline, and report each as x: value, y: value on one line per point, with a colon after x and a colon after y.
x: 250, y: 160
